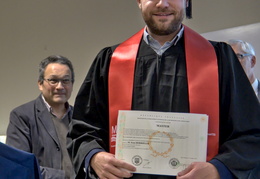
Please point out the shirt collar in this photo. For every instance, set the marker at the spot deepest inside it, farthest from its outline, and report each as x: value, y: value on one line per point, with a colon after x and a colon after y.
x: 67, y: 106
x: 255, y: 86
x: 153, y: 43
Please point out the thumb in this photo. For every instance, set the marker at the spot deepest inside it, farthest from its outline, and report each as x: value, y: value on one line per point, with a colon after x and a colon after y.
x: 185, y: 171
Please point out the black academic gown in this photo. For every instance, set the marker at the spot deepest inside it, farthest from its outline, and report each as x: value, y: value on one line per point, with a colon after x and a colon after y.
x: 239, y: 109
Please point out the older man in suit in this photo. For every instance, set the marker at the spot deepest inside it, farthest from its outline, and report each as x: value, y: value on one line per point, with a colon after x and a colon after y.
x: 246, y: 55
x: 41, y: 126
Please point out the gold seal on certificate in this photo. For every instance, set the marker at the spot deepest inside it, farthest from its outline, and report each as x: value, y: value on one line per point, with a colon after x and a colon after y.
x: 166, y: 143
x: 161, y: 142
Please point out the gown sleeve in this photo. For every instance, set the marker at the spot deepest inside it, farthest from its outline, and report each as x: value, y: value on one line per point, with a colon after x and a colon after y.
x: 239, y: 117
x: 89, y: 127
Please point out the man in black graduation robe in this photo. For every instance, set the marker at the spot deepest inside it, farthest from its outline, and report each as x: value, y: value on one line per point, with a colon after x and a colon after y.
x: 160, y: 84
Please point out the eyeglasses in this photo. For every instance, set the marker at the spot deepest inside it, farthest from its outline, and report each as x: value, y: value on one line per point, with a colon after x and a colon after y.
x: 241, y: 56
x: 55, y: 82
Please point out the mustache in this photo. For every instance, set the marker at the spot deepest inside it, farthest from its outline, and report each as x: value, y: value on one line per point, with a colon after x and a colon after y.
x: 166, y: 11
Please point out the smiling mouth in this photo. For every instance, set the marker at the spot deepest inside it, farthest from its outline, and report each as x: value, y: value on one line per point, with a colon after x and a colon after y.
x: 60, y: 94
x: 163, y: 14
x: 163, y: 17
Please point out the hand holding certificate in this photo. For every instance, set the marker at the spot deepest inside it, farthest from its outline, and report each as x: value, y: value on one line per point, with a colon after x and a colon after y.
x: 161, y: 142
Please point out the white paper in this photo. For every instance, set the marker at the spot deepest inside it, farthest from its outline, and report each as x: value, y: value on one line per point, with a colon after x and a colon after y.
x: 161, y: 143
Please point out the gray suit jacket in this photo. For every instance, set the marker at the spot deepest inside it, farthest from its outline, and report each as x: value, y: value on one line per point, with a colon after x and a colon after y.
x: 31, y: 129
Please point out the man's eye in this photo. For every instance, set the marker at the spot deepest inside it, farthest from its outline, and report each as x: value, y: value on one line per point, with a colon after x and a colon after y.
x: 239, y: 55
x: 66, y: 81
x: 53, y: 81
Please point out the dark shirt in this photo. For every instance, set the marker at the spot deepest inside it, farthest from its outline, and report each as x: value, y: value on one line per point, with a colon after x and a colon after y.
x: 62, y: 126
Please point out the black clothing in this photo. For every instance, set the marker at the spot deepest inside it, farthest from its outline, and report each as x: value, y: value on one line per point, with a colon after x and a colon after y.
x: 160, y: 84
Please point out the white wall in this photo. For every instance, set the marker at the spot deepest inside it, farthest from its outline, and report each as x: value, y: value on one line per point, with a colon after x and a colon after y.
x: 31, y: 30
x: 249, y: 33
x: 2, y: 138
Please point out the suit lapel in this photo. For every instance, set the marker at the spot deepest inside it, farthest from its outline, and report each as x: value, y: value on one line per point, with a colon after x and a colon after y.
x: 46, y: 119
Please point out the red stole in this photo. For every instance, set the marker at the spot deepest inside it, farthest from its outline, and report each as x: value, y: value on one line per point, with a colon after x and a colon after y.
x: 202, y: 73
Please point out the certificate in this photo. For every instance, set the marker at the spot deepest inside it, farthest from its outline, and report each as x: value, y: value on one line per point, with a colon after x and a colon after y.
x: 162, y: 143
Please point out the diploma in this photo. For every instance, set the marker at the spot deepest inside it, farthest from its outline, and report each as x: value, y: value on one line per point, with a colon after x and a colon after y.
x: 162, y: 143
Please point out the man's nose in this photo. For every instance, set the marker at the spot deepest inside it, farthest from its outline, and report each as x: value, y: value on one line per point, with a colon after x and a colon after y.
x: 60, y: 85
x: 163, y: 3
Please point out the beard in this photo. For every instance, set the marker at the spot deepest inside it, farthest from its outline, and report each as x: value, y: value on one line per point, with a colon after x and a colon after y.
x: 163, y: 27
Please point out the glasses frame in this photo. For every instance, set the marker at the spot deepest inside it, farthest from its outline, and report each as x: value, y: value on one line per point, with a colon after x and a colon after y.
x: 54, y: 81
x: 242, y: 56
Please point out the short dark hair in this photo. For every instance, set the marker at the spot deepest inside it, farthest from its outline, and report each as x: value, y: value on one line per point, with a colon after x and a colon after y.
x: 54, y: 59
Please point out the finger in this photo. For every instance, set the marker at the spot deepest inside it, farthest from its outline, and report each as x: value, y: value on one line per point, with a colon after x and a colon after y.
x: 125, y: 166
x: 185, y: 171
x: 114, y: 168
x: 113, y: 172
x: 122, y: 169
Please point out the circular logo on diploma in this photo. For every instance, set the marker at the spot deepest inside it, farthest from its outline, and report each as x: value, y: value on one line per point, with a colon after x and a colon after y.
x: 137, y: 160
x: 174, y: 163
x: 160, y: 143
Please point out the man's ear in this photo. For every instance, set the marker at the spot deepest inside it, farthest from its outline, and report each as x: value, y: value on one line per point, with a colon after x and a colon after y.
x: 253, y: 61
x: 40, y: 85
x: 139, y: 3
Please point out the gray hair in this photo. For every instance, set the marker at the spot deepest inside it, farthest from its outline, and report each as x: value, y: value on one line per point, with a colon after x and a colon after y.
x: 54, y: 59
x: 245, y: 46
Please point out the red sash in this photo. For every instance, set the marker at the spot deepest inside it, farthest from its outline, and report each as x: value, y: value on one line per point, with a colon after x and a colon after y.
x: 202, y: 73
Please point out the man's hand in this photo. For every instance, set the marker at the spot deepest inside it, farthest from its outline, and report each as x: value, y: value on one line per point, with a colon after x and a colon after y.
x: 107, y: 166
x: 199, y: 170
